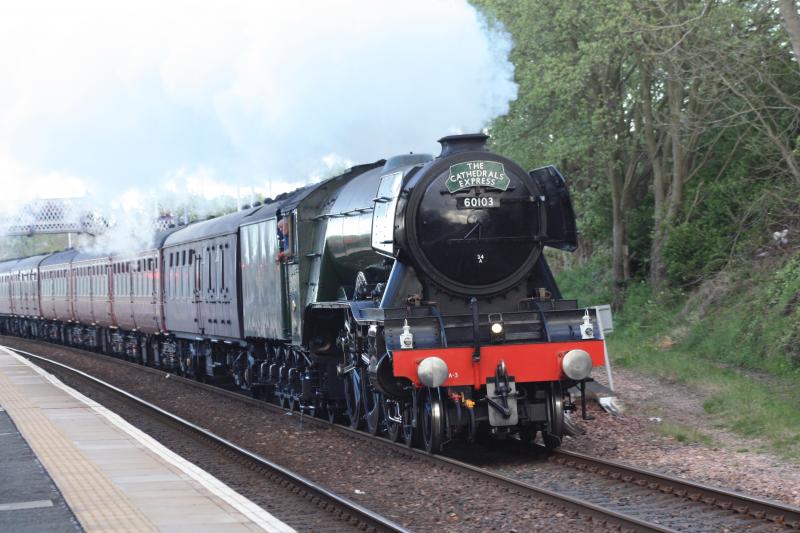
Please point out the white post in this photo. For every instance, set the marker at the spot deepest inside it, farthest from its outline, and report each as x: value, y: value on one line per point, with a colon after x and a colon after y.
x: 605, y: 352
x: 608, y: 366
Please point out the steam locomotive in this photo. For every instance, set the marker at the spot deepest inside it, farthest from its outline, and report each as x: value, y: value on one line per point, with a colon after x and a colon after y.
x: 408, y: 297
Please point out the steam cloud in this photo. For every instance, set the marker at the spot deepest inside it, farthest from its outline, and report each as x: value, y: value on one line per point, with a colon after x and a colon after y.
x: 149, y: 103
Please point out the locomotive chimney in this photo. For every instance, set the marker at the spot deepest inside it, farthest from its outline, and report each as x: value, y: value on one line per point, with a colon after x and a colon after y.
x: 470, y: 142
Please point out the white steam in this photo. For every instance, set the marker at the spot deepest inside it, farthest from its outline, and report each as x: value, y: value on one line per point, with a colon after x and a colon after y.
x: 145, y: 105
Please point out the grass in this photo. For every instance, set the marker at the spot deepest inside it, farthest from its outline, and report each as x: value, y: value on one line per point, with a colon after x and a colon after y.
x: 737, y: 344
x: 684, y: 434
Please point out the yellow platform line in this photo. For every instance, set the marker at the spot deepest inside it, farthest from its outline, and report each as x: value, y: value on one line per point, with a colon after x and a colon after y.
x: 97, y: 503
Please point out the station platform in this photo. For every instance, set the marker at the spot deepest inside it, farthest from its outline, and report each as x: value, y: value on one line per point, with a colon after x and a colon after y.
x: 69, y: 464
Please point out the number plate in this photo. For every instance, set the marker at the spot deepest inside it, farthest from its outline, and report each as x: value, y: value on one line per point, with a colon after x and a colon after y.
x: 478, y: 202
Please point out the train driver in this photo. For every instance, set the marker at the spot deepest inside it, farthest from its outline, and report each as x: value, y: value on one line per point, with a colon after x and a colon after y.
x: 284, y: 238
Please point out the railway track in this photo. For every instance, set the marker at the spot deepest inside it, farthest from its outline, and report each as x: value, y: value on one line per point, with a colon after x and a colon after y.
x: 609, y: 492
x: 341, y: 509
x: 723, y: 503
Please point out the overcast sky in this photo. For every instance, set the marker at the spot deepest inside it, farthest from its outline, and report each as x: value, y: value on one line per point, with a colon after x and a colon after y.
x: 125, y: 100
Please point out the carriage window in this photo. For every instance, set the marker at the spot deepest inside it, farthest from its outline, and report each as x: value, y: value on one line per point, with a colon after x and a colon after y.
x: 197, y: 273
x: 217, y: 254
x: 183, y: 261
x: 222, y: 268
x: 208, y: 257
x: 170, y: 259
x: 191, y: 256
x: 150, y: 264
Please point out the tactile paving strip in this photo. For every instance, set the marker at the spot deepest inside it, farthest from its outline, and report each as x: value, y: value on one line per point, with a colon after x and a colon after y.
x: 93, y: 497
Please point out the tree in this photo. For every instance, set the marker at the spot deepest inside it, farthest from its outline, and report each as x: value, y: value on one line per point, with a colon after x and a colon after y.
x: 574, y: 68
x: 791, y: 21
x: 679, y: 94
x: 644, y: 100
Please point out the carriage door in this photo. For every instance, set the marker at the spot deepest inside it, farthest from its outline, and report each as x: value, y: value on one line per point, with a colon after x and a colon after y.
x: 196, y: 285
x: 227, y: 265
x: 294, y: 302
x: 203, y: 314
x: 210, y: 310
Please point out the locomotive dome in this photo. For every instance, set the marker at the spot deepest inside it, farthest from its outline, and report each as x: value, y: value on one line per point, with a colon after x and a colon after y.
x: 472, y: 220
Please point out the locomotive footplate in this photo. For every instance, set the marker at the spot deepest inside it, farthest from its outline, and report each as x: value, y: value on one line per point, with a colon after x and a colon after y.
x: 502, y: 400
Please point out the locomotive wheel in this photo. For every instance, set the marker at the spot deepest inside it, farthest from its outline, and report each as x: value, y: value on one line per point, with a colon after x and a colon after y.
x: 409, y: 432
x: 432, y: 419
x: 293, y: 387
x: 372, y: 401
x: 352, y: 396
x: 477, y: 431
x: 555, y: 415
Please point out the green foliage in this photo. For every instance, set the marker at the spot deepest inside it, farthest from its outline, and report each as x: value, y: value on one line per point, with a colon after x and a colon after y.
x: 640, y: 236
x: 725, y: 214
x: 585, y: 77
x: 561, y: 54
x: 24, y: 246
x: 589, y: 283
x: 693, y: 251
x: 592, y: 207
x: 755, y: 323
x: 735, y: 341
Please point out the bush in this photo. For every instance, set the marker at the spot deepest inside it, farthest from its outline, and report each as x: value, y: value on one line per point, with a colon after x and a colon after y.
x: 590, y: 282
x: 694, y: 251
x: 722, y: 218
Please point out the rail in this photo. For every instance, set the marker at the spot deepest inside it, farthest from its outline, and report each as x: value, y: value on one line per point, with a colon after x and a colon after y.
x: 368, y: 518
x: 775, y: 512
